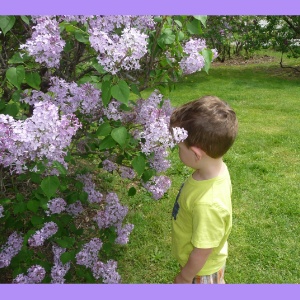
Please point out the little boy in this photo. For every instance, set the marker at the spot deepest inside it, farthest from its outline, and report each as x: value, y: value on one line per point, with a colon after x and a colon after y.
x: 202, y: 214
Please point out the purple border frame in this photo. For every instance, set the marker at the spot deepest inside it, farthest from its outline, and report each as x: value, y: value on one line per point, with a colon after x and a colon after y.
x: 140, y: 7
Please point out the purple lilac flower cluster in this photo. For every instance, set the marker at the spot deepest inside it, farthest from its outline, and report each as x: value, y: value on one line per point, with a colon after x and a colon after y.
x: 94, y: 196
x: 45, y: 44
x: 113, y: 214
x: 75, y: 208
x: 45, y: 135
x: 10, y: 249
x: 106, y: 271
x: 35, y: 274
x: 109, y: 166
x: 123, y: 233
x: 156, y: 135
x: 56, y: 206
x: 119, y: 52
x: 59, y: 270
x: 179, y: 134
x: 88, y: 256
x: 38, y: 238
x: 194, y: 61
x: 69, y: 97
x: 157, y: 186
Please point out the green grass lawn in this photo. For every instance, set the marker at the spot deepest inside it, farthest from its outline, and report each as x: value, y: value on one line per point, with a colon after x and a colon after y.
x: 265, y: 169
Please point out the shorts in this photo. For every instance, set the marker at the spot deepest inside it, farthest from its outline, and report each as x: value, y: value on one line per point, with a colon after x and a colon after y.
x: 215, y: 278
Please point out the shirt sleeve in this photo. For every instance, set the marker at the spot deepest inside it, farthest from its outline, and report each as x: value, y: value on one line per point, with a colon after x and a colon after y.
x: 209, y: 222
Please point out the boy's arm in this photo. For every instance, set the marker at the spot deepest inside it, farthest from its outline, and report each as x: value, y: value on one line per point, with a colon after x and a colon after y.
x: 195, y: 263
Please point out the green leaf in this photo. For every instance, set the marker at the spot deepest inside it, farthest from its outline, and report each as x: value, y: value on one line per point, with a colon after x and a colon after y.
x: 16, y: 96
x: 98, y: 67
x: 135, y: 89
x: 66, y: 242
x: 19, y: 207
x: 16, y: 75
x: 59, y: 167
x: 104, y: 129
x: 2, y: 105
x: 16, y: 59
x: 121, y: 91
x: 139, y: 164
x: 36, y: 178
x: 131, y: 191
x: 106, y: 92
x: 33, y: 205
x: 25, y: 19
x: 11, y: 109
x: 7, y: 23
x: 49, y: 185
x: 33, y: 79
x: 208, y: 55
x: 194, y: 27
x: 178, y: 23
x: 67, y: 256
x: 148, y: 174
x: 180, y: 36
x: 107, y: 143
x: 20, y: 197
x: 82, y: 37
x: 5, y: 201
x: 202, y: 19
x: 36, y: 220
x: 119, y: 135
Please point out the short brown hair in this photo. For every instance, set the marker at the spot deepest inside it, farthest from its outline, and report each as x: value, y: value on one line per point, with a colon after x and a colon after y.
x: 210, y: 122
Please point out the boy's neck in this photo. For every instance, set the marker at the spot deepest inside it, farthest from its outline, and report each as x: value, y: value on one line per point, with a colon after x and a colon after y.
x: 209, y: 168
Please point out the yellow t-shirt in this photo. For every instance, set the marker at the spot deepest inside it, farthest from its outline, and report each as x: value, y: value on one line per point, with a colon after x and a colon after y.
x: 202, y: 218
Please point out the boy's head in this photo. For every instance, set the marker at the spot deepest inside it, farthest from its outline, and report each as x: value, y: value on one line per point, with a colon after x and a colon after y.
x: 211, y: 125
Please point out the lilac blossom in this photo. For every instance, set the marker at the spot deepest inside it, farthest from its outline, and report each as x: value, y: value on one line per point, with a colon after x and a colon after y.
x: 179, y: 134
x: 123, y: 233
x: 46, y: 44
x: 109, y: 165
x: 159, y: 161
x: 109, y: 23
x: 194, y: 61
x: 45, y: 135
x: 157, y: 186
x: 35, y: 274
x: 127, y: 172
x: 88, y: 255
x: 116, y: 53
x: 75, y: 208
x: 1, y: 211
x: 69, y: 97
x: 106, y: 271
x: 10, y: 249
x: 112, y: 111
x: 113, y: 213
x: 56, y: 206
x: 59, y: 270
x: 94, y: 196
x: 38, y: 238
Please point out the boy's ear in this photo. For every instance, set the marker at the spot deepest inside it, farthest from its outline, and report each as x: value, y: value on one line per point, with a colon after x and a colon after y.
x: 197, y: 151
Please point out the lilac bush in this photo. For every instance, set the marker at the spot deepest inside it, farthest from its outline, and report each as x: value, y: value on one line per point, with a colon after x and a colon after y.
x: 67, y: 116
